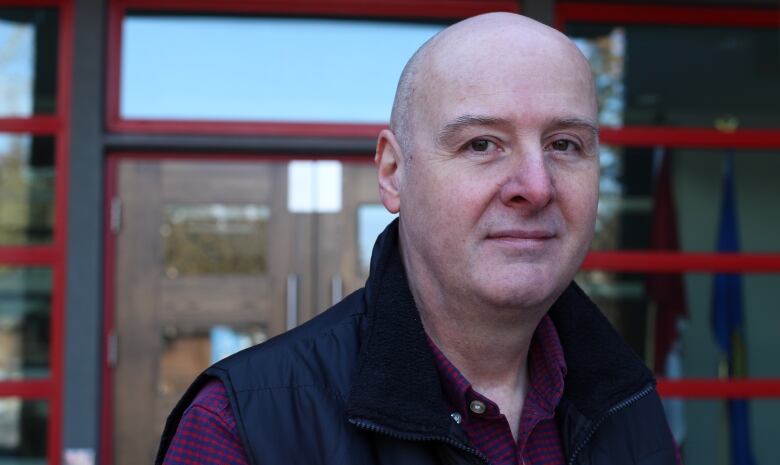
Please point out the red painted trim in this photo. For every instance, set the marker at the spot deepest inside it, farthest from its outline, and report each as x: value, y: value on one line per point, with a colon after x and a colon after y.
x: 683, y: 15
x: 751, y: 388
x: 27, y: 389
x: 33, y: 125
x: 57, y: 348
x: 33, y: 3
x: 438, y: 9
x: 234, y: 157
x: 691, y: 137
x: 32, y: 255
x: 674, y: 262
x: 248, y: 128
x: 109, y: 292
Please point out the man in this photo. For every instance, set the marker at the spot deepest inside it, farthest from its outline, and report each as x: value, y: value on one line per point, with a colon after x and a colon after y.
x: 469, y: 343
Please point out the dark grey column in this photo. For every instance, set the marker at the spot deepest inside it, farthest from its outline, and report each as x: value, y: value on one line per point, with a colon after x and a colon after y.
x: 83, y: 304
x: 540, y: 10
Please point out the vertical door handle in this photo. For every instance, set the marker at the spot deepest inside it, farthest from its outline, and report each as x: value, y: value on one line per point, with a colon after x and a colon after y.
x: 336, y: 289
x: 292, y: 301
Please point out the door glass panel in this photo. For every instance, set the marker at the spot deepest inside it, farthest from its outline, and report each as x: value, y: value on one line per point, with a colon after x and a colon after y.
x: 28, y: 61
x: 725, y: 77
x: 215, y: 239
x: 23, y: 431
x: 26, y: 189
x: 188, y: 351
x: 25, y: 309
x: 632, y: 186
x: 189, y: 67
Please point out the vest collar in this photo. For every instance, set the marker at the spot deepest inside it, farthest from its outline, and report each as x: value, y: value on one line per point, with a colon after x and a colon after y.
x: 396, y: 384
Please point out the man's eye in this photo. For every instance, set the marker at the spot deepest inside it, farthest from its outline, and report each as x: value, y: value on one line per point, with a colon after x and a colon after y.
x: 480, y: 145
x: 562, y: 145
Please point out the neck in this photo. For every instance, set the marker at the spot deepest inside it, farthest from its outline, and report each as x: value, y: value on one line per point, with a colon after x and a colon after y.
x: 490, y: 352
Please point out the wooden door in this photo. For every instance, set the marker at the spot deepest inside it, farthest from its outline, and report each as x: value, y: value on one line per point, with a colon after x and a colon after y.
x: 210, y: 259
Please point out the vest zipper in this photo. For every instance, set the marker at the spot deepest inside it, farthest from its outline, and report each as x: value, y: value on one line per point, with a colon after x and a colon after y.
x: 370, y: 426
x: 639, y: 395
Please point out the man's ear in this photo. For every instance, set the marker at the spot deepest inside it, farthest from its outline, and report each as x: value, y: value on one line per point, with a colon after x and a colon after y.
x: 389, y: 162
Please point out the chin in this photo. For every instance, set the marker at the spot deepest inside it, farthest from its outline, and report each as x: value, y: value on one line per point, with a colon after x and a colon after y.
x: 527, y: 288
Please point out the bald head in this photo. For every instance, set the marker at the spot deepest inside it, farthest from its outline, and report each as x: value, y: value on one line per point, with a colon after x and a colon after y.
x: 480, y: 41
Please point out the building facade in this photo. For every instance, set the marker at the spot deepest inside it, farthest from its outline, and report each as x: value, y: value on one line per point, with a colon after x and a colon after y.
x: 182, y: 179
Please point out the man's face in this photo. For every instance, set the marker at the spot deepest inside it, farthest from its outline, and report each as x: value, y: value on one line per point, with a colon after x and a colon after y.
x: 498, y: 200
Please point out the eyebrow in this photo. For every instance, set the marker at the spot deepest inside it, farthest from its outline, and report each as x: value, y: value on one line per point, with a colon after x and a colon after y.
x: 453, y: 127
x: 464, y: 121
x: 576, y: 123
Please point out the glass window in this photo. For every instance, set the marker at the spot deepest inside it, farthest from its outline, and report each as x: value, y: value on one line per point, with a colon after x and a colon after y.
x: 684, y: 75
x: 372, y: 219
x: 633, y: 301
x: 648, y: 309
x: 28, y: 61
x: 632, y: 202
x: 23, y: 431
x: 314, y: 186
x: 215, y: 239
x: 703, y: 426
x: 25, y: 318
x: 26, y: 189
x: 254, y: 68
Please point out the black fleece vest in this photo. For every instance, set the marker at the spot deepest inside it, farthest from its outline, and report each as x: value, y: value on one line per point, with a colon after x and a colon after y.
x: 358, y: 385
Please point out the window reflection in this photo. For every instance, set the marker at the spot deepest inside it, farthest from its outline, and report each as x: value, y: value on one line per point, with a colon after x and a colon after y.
x: 683, y: 75
x: 705, y: 441
x: 23, y: 431
x: 189, y: 67
x: 25, y: 299
x: 215, y: 239
x: 28, y: 61
x: 26, y: 189
x: 630, y: 182
x: 632, y: 302
x: 188, y: 351
x: 638, y: 310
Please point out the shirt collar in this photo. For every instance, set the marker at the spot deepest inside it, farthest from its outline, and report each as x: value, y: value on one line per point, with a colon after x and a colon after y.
x: 546, y: 372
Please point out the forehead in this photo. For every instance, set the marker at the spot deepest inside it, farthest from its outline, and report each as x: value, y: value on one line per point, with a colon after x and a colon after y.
x: 517, y: 80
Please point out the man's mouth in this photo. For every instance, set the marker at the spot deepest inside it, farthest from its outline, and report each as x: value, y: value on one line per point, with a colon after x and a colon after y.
x: 522, y: 240
x: 522, y: 234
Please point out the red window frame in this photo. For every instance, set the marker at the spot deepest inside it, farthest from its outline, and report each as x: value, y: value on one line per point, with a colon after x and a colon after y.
x: 391, y: 9
x: 686, y: 137
x: 52, y: 255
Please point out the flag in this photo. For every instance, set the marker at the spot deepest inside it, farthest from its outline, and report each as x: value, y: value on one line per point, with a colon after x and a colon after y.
x: 666, y: 290
x: 727, y: 322
x: 667, y: 293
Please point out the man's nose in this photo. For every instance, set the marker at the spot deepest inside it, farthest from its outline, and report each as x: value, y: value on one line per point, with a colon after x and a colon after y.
x: 528, y: 183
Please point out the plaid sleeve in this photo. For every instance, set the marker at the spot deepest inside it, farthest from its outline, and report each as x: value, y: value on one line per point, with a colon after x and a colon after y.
x: 207, y: 433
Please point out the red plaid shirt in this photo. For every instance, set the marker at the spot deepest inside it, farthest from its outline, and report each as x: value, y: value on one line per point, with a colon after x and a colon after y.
x: 207, y: 433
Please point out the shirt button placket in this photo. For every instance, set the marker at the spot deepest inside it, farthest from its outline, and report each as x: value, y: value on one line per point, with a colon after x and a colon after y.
x: 477, y: 407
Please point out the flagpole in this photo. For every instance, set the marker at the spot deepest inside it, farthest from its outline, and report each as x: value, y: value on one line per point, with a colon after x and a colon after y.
x: 724, y: 451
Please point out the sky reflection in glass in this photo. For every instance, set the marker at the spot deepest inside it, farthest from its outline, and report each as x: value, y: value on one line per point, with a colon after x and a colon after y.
x: 277, y: 69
